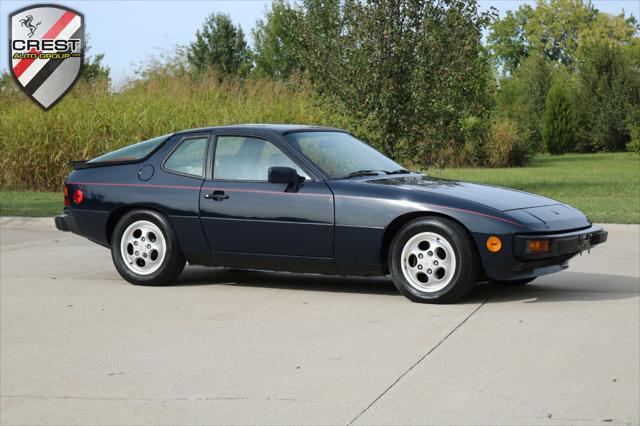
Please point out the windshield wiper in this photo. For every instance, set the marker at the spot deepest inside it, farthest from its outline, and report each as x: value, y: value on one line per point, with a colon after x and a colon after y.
x: 375, y: 173
x: 398, y: 172
x: 364, y: 173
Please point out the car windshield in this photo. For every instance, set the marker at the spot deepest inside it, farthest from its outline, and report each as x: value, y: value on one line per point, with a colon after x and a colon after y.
x: 340, y: 155
x: 133, y: 152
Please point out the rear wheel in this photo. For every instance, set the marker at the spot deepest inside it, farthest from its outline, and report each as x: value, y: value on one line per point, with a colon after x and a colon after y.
x: 433, y: 260
x: 144, y: 249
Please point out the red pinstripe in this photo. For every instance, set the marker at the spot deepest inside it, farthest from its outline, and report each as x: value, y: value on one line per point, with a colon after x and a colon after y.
x: 149, y: 185
x: 143, y: 185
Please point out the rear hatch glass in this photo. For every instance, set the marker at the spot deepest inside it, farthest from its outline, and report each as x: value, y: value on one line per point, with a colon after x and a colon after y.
x: 134, y: 152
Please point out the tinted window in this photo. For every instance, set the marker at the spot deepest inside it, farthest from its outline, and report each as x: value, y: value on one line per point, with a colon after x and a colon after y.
x: 339, y: 154
x: 132, y: 152
x: 189, y: 157
x: 245, y: 158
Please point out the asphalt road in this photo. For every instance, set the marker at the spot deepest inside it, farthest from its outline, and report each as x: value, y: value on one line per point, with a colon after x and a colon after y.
x: 81, y: 346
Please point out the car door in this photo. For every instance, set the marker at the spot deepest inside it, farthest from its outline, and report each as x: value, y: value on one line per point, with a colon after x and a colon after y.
x: 243, y: 213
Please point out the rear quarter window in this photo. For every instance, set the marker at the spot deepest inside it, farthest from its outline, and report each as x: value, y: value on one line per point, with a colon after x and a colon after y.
x: 134, y: 152
x: 188, y: 158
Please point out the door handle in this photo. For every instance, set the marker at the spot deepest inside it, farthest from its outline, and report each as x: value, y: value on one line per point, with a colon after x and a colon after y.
x: 216, y: 196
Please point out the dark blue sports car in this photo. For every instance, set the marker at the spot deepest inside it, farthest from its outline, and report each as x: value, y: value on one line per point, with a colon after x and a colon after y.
x: 311, y: 199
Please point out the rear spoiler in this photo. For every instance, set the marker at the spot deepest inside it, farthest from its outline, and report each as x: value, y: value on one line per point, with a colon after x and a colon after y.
x: 90, y: 164
x: 86, y: 164
x: 79, y: 164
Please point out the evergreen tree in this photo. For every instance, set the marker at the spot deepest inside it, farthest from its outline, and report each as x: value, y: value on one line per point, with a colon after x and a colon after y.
x: 559, y: 125
x: 220, y: 45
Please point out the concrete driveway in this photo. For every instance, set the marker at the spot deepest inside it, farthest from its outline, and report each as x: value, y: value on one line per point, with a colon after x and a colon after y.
x: 81, y: 346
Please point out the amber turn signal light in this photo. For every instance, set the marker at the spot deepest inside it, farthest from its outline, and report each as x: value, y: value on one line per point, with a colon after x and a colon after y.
x: 494, y: 244
x: 538, y: 246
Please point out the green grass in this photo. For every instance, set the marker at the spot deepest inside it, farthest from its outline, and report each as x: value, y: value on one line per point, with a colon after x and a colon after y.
x: 30, y: 203
x: 605, y: 186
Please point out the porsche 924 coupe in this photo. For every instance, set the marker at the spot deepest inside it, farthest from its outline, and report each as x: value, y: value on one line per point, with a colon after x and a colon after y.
x: 315, y: 200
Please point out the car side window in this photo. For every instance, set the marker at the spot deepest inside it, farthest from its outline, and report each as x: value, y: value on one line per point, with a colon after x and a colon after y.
x: 188, y: 158
x: 246, y: 158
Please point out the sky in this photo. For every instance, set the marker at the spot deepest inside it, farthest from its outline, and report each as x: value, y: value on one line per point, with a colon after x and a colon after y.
x: 128, y: 32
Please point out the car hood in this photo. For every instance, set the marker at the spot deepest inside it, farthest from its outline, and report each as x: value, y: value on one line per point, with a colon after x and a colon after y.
x: 502, y: 199
x: 549, y: 214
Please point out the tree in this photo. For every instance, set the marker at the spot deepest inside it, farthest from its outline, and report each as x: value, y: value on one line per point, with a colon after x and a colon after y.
x: 93, y: 70
x: 277, y: 41
x: 6, y: 82
x: 453, y: 79
x: 608, y: 64
x: 559, y: 125
x: 411, y: 70
x: 221, y: 46
x: 507, y: 39
x: 550, y: 29
x: 522, y: 96
x: 321, y: 44
x: 598, y: 50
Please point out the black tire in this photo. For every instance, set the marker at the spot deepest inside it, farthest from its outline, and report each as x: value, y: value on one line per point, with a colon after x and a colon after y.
x: 464, y: 273
x: 523, y: 281
x: 173, y: 262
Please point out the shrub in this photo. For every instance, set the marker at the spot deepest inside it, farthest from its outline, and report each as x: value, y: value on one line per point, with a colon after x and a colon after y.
x: 508, y: 144
x: 634, y: 144
x: 474, y: 131
x: 559, y: 127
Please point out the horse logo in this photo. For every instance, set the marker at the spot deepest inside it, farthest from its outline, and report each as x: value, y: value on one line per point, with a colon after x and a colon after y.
x: 27, y: 22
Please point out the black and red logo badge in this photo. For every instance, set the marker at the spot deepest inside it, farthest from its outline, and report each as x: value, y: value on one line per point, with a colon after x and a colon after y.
x: 46, y: 49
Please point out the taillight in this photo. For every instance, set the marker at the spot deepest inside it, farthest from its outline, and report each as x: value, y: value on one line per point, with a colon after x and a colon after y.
x: 78, y: 196
x: 65, y: 190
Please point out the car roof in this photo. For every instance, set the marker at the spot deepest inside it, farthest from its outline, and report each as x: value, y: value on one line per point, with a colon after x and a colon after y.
x: 277, y: 128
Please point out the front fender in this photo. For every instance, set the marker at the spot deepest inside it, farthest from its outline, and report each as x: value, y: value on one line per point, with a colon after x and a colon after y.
x: 365, y: 216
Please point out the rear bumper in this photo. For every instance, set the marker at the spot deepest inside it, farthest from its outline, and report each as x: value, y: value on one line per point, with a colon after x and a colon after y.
x: 66, y: 222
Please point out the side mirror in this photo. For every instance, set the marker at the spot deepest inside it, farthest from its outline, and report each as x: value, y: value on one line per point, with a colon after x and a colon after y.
x: 285, y: 175
x: 282, y: 175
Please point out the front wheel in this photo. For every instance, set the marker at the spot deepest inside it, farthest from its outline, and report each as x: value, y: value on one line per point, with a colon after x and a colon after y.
x: 144, y: 249
x: 433, y: 260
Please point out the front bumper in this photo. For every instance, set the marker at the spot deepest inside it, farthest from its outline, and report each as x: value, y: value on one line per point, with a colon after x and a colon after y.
x: 560, y: 244
x: 514, y: 262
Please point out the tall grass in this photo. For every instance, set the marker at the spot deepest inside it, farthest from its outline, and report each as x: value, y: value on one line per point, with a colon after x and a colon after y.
x: 35, y: 146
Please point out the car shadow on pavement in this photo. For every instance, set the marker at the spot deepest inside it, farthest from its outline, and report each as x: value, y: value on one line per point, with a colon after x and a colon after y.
x: 567, y: 286
x: 287, y: 281
x: 562, y: 287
